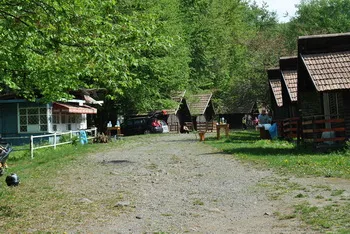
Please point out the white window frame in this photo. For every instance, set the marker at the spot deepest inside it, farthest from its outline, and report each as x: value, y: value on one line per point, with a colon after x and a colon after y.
x: 33, y: 128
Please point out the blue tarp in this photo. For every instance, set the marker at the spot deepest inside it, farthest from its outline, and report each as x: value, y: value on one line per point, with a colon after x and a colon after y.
x: 273, y: 131
x: 83, y: 137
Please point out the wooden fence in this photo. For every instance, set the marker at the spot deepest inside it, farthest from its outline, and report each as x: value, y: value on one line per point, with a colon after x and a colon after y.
x: 317, y: 129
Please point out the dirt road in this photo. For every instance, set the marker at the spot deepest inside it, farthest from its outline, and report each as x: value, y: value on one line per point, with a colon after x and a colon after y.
x: 170, y: 184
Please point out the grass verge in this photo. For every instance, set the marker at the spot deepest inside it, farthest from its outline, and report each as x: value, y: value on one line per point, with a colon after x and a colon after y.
x: 284, y: 156
x: 21, y: 207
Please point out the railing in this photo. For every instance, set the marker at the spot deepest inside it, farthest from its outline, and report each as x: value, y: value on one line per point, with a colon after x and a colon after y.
x: 324, y: 129
x: 290, y: 127
x: 174, y: 127
x: 318, y: 129
x: 55, y: 139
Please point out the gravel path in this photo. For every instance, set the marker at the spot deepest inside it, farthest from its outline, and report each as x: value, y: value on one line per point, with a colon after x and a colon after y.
x: 174, y: 184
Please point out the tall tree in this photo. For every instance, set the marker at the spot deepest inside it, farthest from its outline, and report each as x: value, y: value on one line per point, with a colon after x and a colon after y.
x: 318, y: 17
x: 48, y: 48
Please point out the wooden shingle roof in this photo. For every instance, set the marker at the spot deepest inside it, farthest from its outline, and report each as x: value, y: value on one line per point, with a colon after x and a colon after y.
x: 289, y: 70
x: 199, y: 103
x: 290, y: 78
x: 329, y: 71
x: 177, y: 97
x: 276, y: 87
x: 274, y: 76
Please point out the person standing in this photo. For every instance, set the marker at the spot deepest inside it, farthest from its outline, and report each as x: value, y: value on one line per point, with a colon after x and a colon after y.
x: 244, y: 122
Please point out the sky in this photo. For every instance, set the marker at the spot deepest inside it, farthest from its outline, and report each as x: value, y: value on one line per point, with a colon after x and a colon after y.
x: 281, y: 7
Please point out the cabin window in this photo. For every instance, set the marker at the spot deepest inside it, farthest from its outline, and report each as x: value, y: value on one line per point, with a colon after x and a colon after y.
x: 335, y: 104
x: 332, y: 104
x: 32, y: 119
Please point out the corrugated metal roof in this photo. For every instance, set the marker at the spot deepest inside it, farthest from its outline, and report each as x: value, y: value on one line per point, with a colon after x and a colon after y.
x: 329, y: 71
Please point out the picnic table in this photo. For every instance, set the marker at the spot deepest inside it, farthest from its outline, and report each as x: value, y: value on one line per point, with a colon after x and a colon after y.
x: 225, y: 126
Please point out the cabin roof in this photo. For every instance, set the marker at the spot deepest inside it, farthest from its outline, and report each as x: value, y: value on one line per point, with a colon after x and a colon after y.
x: 329, y: 71
x: 290, y: 78
x: 276, y: 87
x: 176, y: 97
x: 199, y: 103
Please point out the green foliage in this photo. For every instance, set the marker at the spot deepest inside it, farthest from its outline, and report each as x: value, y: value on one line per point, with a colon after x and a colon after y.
x: 55, y: 47
x: 67, y: 138
x: 317, y: 17
x: 140, y: 52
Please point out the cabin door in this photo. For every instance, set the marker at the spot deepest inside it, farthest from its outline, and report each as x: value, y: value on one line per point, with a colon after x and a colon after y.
x: 331, y: 106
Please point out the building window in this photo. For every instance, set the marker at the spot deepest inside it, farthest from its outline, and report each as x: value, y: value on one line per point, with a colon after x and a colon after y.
x: 32, y: 119
x: 56, y: 118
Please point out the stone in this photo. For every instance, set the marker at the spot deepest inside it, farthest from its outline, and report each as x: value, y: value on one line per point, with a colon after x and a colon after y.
x: 85, y: 200
x: 122, y: 204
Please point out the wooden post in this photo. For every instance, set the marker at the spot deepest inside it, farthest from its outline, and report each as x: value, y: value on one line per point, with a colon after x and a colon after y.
x: 314, y: 135
x: 54, y: 140
x: 227, y: 130
x: 31, y: 146
x: 218, y: 131
x: 299, y: 128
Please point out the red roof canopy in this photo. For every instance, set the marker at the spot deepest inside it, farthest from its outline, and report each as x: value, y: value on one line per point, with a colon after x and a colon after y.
x: 73, y: 109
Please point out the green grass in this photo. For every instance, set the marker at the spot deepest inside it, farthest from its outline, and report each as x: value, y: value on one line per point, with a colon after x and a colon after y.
x: 284, y: 156
x: 198, y: 202
x: 325, y: 218
x: 36, y: 189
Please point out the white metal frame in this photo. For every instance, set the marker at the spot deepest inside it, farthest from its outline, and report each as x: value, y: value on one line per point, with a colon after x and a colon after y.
x: 55, y: 135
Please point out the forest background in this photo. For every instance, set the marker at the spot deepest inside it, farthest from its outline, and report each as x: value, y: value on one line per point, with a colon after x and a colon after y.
x: 139, y: 52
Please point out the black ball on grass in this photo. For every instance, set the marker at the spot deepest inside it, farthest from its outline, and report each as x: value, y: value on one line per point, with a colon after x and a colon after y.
x: 12, y: 180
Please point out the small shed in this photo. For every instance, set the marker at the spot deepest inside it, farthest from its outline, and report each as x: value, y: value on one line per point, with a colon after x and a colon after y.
x: 288, y: 67
x: 324, y: 79
x: 201, y: 108
x: 177, y: 117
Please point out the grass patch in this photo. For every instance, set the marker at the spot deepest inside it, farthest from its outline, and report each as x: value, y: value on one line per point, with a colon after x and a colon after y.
x: 36, y: 191
x: 337, y: 192
x: 331, y: 218
x: 198, y: 202
x: 284, y: 156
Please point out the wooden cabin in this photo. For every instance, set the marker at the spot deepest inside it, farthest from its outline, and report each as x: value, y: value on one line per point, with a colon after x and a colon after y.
x: 234, y: 114
x: 177, y: 117
x: 289, y: 80
x: 324, y: 86
x: 202, y: 110
x: 275, y: 84
x: 288, y: 67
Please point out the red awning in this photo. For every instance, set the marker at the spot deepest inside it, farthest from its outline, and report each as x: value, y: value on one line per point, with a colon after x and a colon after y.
x: 73, y: 109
